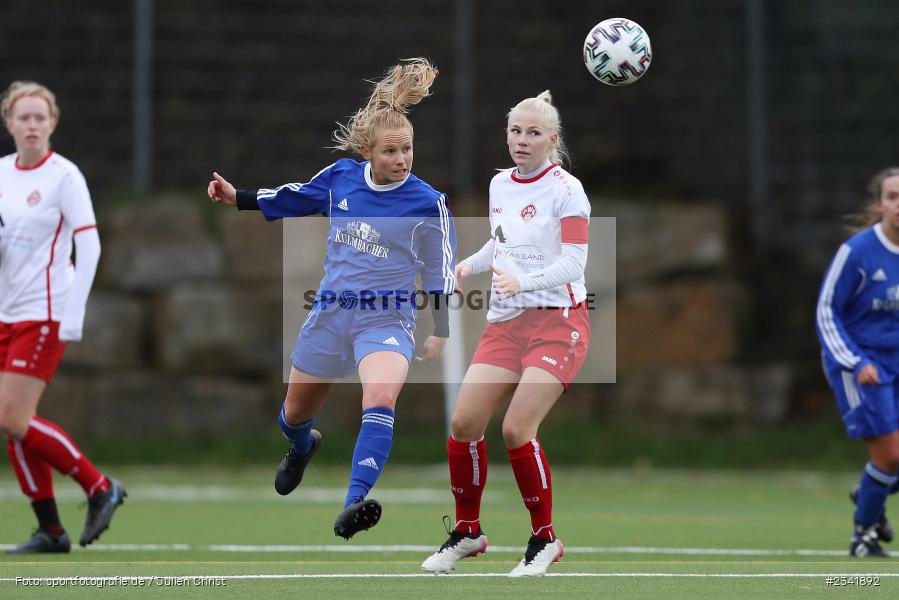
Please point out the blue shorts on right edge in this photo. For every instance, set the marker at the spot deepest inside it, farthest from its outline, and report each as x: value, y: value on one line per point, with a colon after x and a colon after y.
x: 867, y: 410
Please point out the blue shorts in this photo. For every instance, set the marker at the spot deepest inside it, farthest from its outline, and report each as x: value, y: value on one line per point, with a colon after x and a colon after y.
x: 333, y: 341
x: 868, y: 410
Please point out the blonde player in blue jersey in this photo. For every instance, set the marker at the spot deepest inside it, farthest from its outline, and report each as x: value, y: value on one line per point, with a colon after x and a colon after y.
x: 858, y: 326
x: 386, y: 227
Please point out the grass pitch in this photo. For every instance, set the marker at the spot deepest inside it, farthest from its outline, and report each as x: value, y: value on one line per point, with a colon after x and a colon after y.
x: 207, y: 532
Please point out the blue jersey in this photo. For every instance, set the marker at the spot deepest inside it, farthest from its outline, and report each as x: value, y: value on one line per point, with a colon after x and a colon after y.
x: 858, y: 306
x: 381, y: 237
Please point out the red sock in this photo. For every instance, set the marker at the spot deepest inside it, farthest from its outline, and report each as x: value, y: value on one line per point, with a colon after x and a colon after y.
x: 468, y: 475
x: 536, y: 486
x: 34, y: 475
x: 48, y: 442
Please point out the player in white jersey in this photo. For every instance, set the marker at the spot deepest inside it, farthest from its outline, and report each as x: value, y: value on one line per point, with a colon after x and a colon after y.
x: 45, y: 209
x: 536, y: 337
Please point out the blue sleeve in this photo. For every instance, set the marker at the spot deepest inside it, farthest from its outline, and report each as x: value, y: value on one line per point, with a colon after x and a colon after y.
x: 840, y: 283
x: 437, y: 250
x: 297, y: 199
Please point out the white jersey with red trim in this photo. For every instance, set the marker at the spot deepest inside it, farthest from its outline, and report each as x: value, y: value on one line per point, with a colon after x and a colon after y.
x: 526, y: 224
x: 41, y: 208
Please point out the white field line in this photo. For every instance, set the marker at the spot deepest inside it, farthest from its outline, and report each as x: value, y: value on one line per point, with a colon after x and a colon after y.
x: 10, y: 492
x: 150, y: 580
x: 354, y: 549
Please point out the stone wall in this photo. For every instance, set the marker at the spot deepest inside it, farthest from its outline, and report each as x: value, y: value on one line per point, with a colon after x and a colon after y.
x: 682, y: 314
x: 184, y: 327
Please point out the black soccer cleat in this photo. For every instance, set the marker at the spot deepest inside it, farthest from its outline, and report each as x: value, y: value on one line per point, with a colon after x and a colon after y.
x: 43, y: 541
x: 357, y: 517
x: 865, y: 544
x: 290, y: 472
x: 100, y: 508
x: 883, y: 527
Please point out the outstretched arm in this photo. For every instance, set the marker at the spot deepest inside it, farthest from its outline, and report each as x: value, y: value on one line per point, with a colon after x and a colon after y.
x: 288, y: 200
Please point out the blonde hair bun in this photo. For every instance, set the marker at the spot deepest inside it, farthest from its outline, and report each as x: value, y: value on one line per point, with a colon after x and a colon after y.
x: 543, y: 105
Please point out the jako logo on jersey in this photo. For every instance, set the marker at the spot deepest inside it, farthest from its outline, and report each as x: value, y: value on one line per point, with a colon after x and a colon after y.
x: 391, y: 341
x: 33, y: 198
x: 532, y: 499
x: 879, y: 275
x: 551, y: 361
x: 362, y: 237
x: 343, y: 205
x: 457, y: 490
x: 368, y: 462
x: 497, y: 210
x: 528, y: 212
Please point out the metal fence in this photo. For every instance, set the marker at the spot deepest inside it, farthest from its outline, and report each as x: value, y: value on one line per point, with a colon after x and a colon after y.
x: 776, y: 110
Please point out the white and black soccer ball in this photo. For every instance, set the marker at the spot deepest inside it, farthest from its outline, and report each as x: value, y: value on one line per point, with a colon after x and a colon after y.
x: 617, y: 51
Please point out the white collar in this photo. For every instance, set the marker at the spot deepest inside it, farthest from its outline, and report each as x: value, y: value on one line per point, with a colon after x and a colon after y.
x: 381, y: 188
x: 878, y: 229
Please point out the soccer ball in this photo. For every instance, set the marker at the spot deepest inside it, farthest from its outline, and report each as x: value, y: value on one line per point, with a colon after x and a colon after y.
x: 617, y: 51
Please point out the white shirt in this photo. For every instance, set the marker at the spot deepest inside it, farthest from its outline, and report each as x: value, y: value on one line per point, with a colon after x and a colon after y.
x: 42, y: 208
x: 526, y: 226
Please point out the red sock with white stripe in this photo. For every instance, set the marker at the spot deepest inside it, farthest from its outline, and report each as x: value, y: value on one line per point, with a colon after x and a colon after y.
x: 34, y: 475
x: 36, y: 480
x: 535, y: 483
x: 47, y: 442
x: 468, y: 475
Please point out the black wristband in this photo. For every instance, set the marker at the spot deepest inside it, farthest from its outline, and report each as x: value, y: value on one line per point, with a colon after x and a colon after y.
x: 440, y: 312
x: 246, y: 200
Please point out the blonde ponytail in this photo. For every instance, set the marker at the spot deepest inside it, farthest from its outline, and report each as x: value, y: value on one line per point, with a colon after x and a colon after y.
x: 403, y: 86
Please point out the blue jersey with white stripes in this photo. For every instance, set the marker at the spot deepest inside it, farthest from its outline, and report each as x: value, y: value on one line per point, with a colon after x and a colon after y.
x: 858, y: 306
x: 381, y: 237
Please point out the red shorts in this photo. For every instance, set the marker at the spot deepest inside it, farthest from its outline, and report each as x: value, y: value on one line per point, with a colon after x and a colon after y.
x: 539, y: 337
x: 31, y: 348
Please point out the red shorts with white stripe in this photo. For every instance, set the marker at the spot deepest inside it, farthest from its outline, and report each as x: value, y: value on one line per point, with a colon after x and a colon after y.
x: 553, y: 339
x: 31, y: 348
